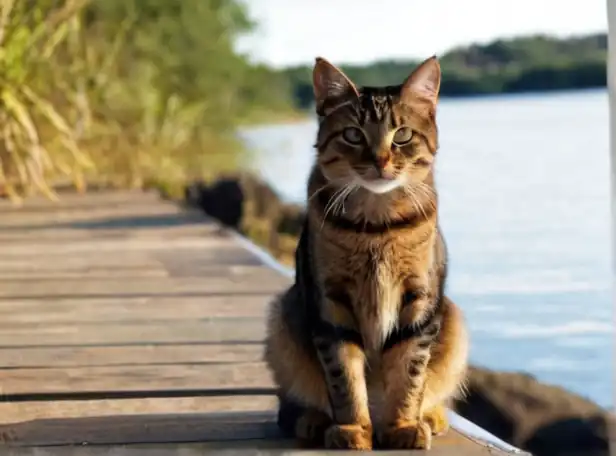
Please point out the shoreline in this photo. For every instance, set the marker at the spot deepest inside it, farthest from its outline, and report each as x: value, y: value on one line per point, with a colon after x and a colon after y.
x: 296, y: 116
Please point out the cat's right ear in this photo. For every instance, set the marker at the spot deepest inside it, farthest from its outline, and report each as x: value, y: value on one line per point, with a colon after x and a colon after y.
x: 331, y: 86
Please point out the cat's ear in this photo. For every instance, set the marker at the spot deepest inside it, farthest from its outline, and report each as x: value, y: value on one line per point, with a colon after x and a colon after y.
x: 424, y: 83
x: 331, y: 86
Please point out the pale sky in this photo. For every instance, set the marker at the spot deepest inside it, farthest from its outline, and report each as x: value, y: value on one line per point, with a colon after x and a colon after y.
x: 345, y: 31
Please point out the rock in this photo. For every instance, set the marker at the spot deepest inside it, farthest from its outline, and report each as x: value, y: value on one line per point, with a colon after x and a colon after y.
x: 224, y: 200
x: 543, y: 419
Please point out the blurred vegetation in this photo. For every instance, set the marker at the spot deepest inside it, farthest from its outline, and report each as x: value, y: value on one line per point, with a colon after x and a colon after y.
x: 124, y: 92
x: 536, y: 63
x: 150, y: 92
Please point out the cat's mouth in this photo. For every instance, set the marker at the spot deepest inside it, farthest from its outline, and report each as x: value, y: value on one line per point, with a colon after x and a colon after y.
x: 381, y: 185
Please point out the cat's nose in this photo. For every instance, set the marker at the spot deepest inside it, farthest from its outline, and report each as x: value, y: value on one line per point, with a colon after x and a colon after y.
x: 384, y: 166
x: 382, y: 161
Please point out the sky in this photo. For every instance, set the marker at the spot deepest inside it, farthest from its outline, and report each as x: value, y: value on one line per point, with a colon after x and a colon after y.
x: 356, y: 31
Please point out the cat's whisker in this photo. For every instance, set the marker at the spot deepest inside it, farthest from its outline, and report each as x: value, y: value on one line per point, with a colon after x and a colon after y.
x: 318, y: 191
x: 339, y: 206
x: 417, y: 204
x: 331, y: 203
x: 347, y: 193
x: 421, y: 194
x: 325, y: 186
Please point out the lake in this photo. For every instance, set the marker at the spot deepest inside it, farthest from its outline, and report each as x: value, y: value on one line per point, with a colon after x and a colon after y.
x: 524, y: 187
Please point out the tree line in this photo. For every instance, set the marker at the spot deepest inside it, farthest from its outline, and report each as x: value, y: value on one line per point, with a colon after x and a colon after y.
x: 536, y: 63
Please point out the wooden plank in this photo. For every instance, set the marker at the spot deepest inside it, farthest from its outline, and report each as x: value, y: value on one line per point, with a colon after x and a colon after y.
x: 140, y: 333
x: 108, y: 310
x: 221, y: 430
x: 188, y: 261
x: 90, y: 274
x: 188, y: 270
x: 61, y: 357
x: 127, y: 232
x: 172, y: 258
x: 110, y: 201
x: 90, y: 199
x: 241, y: 283
x: 259, y: 447
x: 42, y: 262
x: 135, y: 378
x: 107, y: 246
x: 12, y: 412
x: 94, y: 217
x: 142, y: 429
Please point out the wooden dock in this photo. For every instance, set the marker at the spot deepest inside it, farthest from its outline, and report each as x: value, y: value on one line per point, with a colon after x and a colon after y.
x: 130, y: 323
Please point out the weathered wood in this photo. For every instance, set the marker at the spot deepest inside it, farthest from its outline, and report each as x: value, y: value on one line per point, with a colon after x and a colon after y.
x: 43, y: 262
x: 128, y: 355
x: 109, y: 310
x: 130, y: 333
x: 154, y: 377
x: 12, y: 412
x: 126, y: 312
x: 94, y: 217
x: 76, y: 200
x: 261, y: 447
x: 256, y: 428
x: 50, y: 235
x: 109, y: 246
x: 237, y: 281
x: 90, y: 274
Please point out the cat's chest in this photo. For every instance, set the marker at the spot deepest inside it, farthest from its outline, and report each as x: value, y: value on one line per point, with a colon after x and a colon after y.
x: 375, y: 272
x: 378, y: 287
x: 378, y: 298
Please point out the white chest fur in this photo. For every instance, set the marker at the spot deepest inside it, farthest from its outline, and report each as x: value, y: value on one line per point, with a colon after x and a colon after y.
x: 380, y: 307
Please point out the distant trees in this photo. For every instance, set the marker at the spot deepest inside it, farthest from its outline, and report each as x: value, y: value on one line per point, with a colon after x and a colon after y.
x: 522, y: 64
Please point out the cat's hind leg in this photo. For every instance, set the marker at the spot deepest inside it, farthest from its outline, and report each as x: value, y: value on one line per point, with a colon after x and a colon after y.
x: 304, y: 408
x: 300, y: 377
x: 446, y: 369
x: 306, y: 424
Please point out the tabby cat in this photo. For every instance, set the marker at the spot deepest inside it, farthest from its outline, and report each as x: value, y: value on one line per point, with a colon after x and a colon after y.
x: 364, y: 346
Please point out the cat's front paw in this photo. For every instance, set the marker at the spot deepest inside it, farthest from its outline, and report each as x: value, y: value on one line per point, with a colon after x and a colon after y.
x: 410, y: 435
x: 348, y: 437
x: 437, y: 420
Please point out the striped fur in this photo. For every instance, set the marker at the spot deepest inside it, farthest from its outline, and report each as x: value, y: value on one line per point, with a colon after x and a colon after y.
x: 364, y: 346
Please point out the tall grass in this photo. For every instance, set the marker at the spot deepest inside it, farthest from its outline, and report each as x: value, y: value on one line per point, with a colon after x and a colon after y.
x: 121, y: 92
x: 36, y: 137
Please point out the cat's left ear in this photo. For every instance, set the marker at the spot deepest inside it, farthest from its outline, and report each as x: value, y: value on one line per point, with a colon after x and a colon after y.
x: 331, y: 86
x: 424, y: 83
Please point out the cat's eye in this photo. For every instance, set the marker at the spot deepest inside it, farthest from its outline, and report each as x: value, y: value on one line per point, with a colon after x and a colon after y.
x: 353, y: 135
x: 402, y: 136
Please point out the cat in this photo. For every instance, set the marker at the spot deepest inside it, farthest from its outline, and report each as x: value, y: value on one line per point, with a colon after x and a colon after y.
x: 365, y: 349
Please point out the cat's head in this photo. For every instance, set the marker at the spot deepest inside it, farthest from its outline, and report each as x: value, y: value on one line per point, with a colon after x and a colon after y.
x: 380, y: 138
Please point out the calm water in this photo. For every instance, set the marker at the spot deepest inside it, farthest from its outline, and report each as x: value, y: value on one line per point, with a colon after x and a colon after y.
x: 524, y: 186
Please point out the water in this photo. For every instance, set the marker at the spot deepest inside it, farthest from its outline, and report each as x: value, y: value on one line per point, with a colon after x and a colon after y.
x: 524, y: 205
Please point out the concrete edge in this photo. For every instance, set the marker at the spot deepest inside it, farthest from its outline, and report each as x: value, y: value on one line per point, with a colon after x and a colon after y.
x: 458, y: 422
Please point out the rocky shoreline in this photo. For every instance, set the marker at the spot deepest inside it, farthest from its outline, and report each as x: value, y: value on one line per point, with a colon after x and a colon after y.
x: 543, y: 419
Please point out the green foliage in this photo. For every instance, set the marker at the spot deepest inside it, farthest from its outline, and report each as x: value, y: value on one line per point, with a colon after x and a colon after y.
x: 30, y: 35
x: 522, y: 64
x: 124, y: 91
